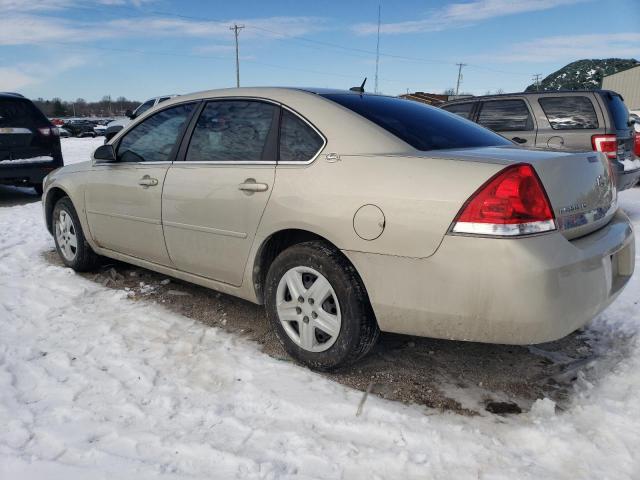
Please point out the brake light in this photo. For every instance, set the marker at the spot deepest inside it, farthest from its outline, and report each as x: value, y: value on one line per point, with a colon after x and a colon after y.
x: 607, y: 144
x: 512, y: 203
x: 636, y: 142
x: 46, y: 131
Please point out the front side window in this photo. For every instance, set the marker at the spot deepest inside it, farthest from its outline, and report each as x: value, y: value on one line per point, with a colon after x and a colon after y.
x: 505, y: 116
x: 569, y: 113
x: 421, y: 126
x: 298, y: 141
x: 232, y: 130
x: 462, y: 109
x: 153, y: 139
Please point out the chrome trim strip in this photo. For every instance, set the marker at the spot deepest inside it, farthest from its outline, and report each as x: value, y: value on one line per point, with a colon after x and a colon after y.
x: 126, y: 217
x: 197, y: 228
x: 504, y: 230
x: 225, y: 162
x: 122, y: 164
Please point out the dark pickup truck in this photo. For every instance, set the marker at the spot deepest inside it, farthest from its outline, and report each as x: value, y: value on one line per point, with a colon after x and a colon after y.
x: 29, y: 143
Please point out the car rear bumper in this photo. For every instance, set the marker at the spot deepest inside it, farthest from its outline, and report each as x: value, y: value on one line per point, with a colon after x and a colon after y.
x: 26, y: 173
x: 511, y: 291
x: 627, y: 179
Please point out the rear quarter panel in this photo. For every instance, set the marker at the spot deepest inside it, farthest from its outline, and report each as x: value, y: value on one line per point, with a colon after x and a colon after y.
x: 419, y: 198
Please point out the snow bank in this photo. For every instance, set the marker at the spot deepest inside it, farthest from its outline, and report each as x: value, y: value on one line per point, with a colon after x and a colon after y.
x: 94, y: 385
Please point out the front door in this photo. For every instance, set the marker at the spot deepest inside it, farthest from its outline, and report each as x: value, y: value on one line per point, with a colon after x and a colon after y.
x: 214, y: 198
x: 124, y: 199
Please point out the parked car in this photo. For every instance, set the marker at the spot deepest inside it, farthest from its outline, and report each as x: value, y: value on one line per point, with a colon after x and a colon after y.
x: 63, y: 132
x: 100, y: 129
x: 591, y: 120
x: 80, y: 128
x: 29, y: 143
x: 348, y: 213
x: 115, y: 126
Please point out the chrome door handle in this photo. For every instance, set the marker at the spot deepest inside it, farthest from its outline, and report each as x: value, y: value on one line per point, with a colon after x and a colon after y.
x: 147, y: 181
x: 251, y: 186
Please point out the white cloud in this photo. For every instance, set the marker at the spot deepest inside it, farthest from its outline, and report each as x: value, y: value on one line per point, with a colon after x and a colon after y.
x: 26, y: 28
x: 569, y: 48
x: 462, y: 14
x: 26, y: 74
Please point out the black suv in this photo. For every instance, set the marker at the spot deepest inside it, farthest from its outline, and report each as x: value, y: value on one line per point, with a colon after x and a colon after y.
x: 29, y: 143
x: 563, y: 120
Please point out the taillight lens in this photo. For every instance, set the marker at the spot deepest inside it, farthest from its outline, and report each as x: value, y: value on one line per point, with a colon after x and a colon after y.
x: 46, y: 131
x: 512, y: 203
x: 607, y: 144
x: 636, y: 148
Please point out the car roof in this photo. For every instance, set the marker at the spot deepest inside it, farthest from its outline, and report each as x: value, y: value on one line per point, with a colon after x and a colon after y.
x: 545, y: 93
x: 12, y: 95
x: 266, y: 92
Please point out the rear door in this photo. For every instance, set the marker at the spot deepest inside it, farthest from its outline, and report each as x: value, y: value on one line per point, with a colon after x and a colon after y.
x: 567, y: 121
x: 214, y: 197
x: 511, y: 118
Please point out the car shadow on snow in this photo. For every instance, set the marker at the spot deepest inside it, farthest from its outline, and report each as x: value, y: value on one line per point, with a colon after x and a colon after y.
x: 462, y: 377
x: 12, y: 196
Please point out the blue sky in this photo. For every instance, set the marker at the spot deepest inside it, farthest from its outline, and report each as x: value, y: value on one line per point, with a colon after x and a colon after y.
x: 144, y: 48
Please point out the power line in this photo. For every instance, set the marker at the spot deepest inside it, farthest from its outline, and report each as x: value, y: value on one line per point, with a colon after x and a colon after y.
x: 236, y: 28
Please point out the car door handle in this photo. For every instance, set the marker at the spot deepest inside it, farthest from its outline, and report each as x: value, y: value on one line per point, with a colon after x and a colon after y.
x: 147, y: 181
x: 251, y: 186
x: 519, y: 140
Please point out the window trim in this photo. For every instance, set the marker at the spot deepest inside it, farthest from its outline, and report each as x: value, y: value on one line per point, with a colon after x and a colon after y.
x: 188, y: 134
x: 482, y: 103
x: 313, y: 127
x: 174, y: 152
x: 546, y: 115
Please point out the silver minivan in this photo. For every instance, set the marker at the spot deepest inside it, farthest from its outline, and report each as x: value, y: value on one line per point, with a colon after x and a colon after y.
x: 563, y: 120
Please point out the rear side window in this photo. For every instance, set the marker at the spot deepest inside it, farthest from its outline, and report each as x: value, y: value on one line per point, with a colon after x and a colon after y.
x: 154, y: 139
x: 619, y: 111
x: 462, y: 109
x: 505, y: 116
x: 233, y: 130
x: 421, y: 126
x: 569, y: 113
x: 298, y: 141
x: 144, y: 107
x: 21, y: 113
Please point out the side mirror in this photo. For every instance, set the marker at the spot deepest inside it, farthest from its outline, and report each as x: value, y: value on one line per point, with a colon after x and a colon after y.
x: 104, y: 154
x: 130, y: 114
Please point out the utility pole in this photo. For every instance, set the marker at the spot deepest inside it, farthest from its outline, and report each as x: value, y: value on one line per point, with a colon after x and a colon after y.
x: 460, y: 65
x: 236, y: 29
x: 536, y: 81
x: 375, y: 89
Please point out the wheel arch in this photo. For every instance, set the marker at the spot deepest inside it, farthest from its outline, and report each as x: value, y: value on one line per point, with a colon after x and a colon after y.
x: 279, y: 241
x: 53, y: 195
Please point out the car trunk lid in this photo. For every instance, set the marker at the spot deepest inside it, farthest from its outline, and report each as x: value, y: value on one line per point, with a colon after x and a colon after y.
x: 580, y: 186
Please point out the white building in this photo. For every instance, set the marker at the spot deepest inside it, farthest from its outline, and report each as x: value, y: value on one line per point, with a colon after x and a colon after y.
x: 627, y: 84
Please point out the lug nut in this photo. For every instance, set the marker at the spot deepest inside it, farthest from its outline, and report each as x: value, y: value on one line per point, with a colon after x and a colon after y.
x: 311, y: 301
x: 305, y: 319
x: 314, y: 315
x: 298, y: 310
x: 301, y: 300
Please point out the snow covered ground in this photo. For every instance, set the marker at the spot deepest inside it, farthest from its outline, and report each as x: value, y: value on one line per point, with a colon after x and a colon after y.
x: 95, y: 386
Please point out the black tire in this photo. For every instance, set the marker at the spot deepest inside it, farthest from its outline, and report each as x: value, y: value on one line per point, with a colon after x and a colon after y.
x: 38, y: 188
x: 359, y: 329
x: 84, y: 258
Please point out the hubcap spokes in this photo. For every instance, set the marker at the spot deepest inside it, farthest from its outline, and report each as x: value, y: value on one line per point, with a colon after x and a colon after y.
x: 66, y: 235
x: 308, y: 309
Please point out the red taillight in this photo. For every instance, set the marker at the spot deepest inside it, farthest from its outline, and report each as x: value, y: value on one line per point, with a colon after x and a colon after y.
x: 607, y: 144
x: 636, y: 148
x: 46, y: 131
x: 511, y: 203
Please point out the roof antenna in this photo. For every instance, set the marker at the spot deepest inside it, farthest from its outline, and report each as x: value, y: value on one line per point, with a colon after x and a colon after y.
x: 359, y: 89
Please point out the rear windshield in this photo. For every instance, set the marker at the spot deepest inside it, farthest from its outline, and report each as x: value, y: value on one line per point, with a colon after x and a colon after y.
x: 619, y: 111
x: 421, y: 126
x: 20, y: 113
